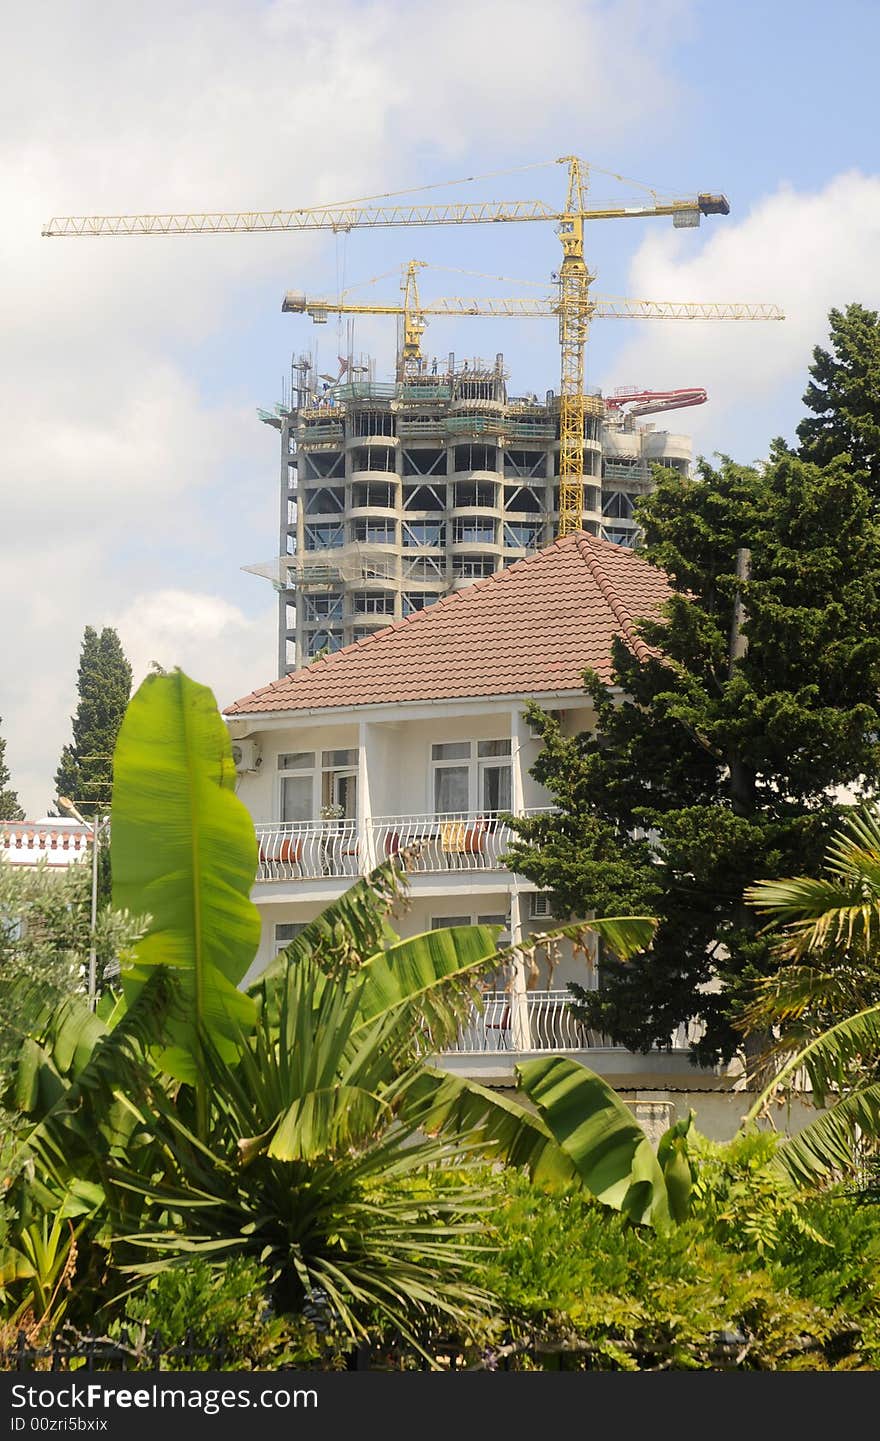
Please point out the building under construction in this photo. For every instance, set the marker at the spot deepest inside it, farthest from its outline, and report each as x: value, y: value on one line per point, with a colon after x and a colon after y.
x: 396, y: 494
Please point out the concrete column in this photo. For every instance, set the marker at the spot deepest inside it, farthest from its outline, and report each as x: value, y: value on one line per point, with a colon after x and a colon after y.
x: 366, y: 847
x: 519, y: 1013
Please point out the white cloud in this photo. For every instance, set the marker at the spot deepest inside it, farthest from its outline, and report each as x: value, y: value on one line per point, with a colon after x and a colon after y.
x: 212, y: 640
x: 805, y: 252
x: 132, y: 464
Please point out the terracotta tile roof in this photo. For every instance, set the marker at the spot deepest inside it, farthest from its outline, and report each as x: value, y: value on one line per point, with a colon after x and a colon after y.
x: 527, y: 630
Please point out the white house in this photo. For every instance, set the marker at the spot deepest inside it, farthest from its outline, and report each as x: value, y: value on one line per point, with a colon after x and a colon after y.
x: 415, y: 736
x: 58, y: 842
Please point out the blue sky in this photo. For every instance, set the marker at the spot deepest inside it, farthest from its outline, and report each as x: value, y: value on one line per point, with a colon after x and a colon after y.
x: 136, y: 480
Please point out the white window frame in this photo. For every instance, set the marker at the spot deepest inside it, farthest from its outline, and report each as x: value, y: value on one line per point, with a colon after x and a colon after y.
x: 284, y: 773
x: 475, y: 764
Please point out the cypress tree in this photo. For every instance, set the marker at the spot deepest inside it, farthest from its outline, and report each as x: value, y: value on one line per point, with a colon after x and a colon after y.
x: 712, y: 774
x: 844, y: 395
x: 85, y: 773
x: 10, y: 808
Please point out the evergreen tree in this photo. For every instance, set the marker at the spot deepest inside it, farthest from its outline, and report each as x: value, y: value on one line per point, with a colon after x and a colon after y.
x: 10, y: 809
x: 713, y: 774
x: 85, y: 773
x: 844, y: 395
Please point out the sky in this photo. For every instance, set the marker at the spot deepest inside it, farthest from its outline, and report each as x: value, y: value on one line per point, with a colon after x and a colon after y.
x: 136, y: 480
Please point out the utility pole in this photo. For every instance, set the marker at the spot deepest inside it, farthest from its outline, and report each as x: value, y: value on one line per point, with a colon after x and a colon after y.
x: 742, y: 777
x: 95, y: 829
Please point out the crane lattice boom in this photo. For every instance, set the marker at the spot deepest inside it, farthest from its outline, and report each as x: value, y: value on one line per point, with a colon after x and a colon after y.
x: 572, y: 308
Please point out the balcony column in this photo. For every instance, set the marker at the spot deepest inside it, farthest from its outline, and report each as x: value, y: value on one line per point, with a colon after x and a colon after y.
x: 519, y: 1012
x: 366, y: 842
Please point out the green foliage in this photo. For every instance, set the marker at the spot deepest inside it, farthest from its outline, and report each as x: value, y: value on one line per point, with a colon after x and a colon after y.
x: 184, y: 847
x: 599, y: 1134
x: 822, y: 1005
x: 45, y: 934
x: 844, y: 394
x: 568, y: 1274
x: 10, y: 807
x: 226, y: 1305
x: 85, y: 773
x: 701, y: 781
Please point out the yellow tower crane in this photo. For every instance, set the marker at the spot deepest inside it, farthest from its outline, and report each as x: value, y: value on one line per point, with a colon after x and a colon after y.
x: 573, y: 306
x: 414, y: 311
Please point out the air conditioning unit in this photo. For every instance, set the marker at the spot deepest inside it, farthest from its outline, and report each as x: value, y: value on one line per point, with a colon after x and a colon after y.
x: 247, y: 756
x: 539, y: 907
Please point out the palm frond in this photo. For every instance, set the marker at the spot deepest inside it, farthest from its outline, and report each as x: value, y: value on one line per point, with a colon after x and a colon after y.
x: 831, y: 1144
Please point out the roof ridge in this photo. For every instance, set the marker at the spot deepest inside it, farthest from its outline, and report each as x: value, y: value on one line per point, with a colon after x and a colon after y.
x: 609, y: 592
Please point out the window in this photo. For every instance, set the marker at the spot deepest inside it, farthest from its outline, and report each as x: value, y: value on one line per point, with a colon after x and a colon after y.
x: 424, y: 462
x: 618, y: 504
x: 525, y: 463
x: 374, y: 532
x: 494, y: 919
x: 297, y: 785
x: 323, y: 606
x: 472, y: 530
x: 377, y: 492
x: 476, y: 457
x: 522, y: 535
x: 428, y: 567
x: 322, y: 464
x: 373, y: 457
x: 523, y: 498
x: 324, y: 537
x: 474, y: 492
x: 325, y: 500
x: 285, y: 932
x: 423, y: 532
x: 424, y: 497
x: 472, y: 567
x: 493, y: 769
x: 451, y: 761
x: 619, y: 536
x: 323, y: 640
x: 470, y: 776
x: 371, y: 422
x: 367, y: 602
x: 414, y: 600
x: 339, y: 770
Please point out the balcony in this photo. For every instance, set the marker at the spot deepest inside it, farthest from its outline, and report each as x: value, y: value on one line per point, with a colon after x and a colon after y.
x: 460, y: 841
x: 538, y: 1021
x: 307, y: 850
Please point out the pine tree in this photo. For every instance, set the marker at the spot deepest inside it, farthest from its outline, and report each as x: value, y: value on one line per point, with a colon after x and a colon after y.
x: 85, y: 773
x: 712, y: 775
x: 844, y: 395
x: 10, y: 809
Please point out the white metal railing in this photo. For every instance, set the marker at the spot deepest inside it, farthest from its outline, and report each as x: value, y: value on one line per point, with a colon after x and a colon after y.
x: 457, y: 841
x: 296, y: 850
x: 435, y: 844
x: 539, y: 1021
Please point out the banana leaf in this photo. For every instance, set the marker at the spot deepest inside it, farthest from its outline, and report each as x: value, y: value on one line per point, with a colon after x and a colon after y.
x: 601, y: 1137
x: 184, y: 852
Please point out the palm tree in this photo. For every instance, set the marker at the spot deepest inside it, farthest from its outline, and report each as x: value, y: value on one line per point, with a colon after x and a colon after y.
x: 823, y: 1004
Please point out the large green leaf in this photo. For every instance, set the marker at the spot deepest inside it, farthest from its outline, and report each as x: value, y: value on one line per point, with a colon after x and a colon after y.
x: 184, y: 852
x: 829, y: 1146
x: 456, y: 1108
x: 351, y: 928
x: 410, y: 969
x: 599, y: 1134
